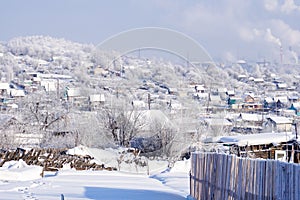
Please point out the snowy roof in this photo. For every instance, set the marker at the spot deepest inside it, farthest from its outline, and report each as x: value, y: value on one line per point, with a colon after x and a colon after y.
x: 258, y: 80
x: 253, y: 139
x: 242, y: 76
x: 280, y: 120
x: 222, y: 89
x: 55, y: 76
x: 251, y: 117
x: 4, y: 86
x: 296, y: 105
x: 269, y: 100
x: 17, y: 93
x: 282, y: 99
x: 215, y: 98
x: 282, y: 85
x: 230, y: 92
x: 73, y: 92
x: 49, y: 85
x: 218, y: 122
x: 97, y: 98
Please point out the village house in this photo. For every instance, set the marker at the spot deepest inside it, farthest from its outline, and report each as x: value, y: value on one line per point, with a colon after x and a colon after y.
x: 279, y: 124
x: 74, y: 97
x: 218, y: 126
x: 230, y: 93
x: 222, y: 92
x: 242, y: 77
x: 4, y: 88
x: 296, y: 108
x: 277, y: 146
x: 281, y: 101
x: 215, y: 100
x: 293, y: 98
x: 17, y: 93
x: 96, y: 100
x: 249, y: 123
x: 281, y: 86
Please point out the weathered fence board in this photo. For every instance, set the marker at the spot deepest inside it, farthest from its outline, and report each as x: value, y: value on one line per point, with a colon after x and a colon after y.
x: 220, y: 176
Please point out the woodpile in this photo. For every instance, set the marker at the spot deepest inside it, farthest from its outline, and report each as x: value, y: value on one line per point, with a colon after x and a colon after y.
x: 52, y: 159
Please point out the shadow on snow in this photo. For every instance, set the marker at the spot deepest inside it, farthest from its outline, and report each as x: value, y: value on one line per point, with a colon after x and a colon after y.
x: 99, y: 193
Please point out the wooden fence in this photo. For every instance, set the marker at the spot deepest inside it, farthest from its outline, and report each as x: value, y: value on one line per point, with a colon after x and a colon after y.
x: 221, y: 176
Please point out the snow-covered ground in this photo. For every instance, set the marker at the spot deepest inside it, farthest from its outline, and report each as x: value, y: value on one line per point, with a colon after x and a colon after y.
x: 19, y: 181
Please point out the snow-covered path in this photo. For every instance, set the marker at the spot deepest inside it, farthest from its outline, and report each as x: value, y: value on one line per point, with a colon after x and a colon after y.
x: 79, y: 185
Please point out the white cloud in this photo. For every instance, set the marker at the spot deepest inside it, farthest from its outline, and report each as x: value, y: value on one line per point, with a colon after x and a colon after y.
x: 255, y: 34
x: 271, y: 5
x: 289, y: 6
x: 227, y: 26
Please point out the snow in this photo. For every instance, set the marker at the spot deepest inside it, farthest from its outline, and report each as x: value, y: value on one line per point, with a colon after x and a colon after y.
x: 253, y: 139
x: 251, y: 117
x: 20, y: 181
x: 19, y: 171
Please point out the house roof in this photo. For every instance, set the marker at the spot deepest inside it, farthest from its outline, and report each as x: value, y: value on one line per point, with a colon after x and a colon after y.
x: 218, y: 122
x: 280, y: 120
x: 251, y: 117
x: 253, y: 139
x: 269, y: 100
x: 230, y: 92
x: 222, y: 90
x: 215, y: 98
x: 200, y: 87
x: 282, y: 99
x: 282, y: 85
x: 258, y: 80
x: 73, y: 92
x: 49, y: 85
x: 296, y: 105
x: 4, y: 86
x: 138, y: 103
x: 97, y: 98
x: 17, y: 93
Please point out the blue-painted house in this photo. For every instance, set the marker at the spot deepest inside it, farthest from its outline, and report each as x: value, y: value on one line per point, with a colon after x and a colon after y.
x: 296, y: 108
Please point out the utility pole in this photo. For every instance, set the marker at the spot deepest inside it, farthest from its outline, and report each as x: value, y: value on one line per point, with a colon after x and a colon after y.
x: 149, y: 101
x: 57, y: 89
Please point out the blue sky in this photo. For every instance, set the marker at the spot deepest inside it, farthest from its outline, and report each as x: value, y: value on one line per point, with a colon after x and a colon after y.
x: 227, y: 29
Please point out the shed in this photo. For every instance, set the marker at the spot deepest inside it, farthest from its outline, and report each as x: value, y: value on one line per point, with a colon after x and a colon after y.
x: 279, y: 123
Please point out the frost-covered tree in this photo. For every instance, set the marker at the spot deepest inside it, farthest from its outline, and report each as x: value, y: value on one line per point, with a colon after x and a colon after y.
x: 42, y: 113
x: 121, y: 122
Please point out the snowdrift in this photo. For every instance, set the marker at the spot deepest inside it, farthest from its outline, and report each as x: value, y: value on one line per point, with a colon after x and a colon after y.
x: 19, y: 171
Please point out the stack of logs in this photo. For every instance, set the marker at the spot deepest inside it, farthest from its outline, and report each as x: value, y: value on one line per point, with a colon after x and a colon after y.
x: 51, y: 159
